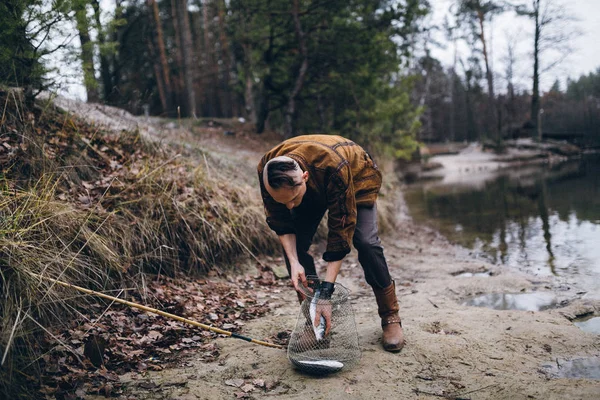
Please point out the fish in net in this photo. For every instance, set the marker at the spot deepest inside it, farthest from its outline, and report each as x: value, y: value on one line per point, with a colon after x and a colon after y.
x: 312, y: 351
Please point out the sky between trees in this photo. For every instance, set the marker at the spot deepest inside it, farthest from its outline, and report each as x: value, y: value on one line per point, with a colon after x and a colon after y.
x: 584, y: 60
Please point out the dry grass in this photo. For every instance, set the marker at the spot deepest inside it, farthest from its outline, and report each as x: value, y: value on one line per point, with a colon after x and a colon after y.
x: 82, y: 205
x: 43, y: 236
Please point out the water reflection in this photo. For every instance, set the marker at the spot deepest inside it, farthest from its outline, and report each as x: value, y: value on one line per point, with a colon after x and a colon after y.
x: 521, y: 301
x: 542, y: 220
x: 473, y: 274
x: 591, y: 325
x: 582, y: 368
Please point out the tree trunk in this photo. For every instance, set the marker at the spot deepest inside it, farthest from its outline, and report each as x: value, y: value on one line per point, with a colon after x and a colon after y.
x: 452, y: 122
x: 535, y: 94
x: 472, y: 131
x: 157, y: 72
x: 428, y: 111
x: 290, y: 128
x: 510, y: 90
x: 492, y: 115
x: 208, y: 54
x: 263, y: 112
x: 199, y: 79
x: 114, y: 36
x: 322, y: 113
x: 265, y: 95
x: 160, y: 43
x: 87, y: 52
x: 107, y: 84
x: 188, y: 56
x: 249, y: 85
x: 226, y: 65
x: 177, y: 78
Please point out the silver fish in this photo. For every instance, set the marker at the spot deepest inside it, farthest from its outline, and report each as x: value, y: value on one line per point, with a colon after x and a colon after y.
x: 319, y: 330
x: 324, y: 366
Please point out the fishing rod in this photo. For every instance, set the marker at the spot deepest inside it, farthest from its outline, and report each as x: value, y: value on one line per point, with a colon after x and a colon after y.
x: 159, y: 312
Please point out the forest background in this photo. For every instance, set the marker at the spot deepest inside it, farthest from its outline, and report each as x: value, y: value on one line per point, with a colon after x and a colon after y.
x: 361, y: 69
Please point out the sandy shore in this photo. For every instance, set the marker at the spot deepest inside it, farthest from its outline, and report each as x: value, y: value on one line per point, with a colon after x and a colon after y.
x: 452, y: 351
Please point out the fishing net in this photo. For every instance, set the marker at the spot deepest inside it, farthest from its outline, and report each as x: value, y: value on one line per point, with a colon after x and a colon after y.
x: 313, y: 352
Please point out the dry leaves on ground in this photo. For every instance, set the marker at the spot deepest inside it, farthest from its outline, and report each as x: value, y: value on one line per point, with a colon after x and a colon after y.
x: 88, y: 358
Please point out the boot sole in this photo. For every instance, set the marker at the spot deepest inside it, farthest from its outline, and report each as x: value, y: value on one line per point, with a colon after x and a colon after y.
x: 393, y: 349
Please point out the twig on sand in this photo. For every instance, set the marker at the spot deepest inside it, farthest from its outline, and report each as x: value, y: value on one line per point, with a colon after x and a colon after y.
x: 446, y: 396
x: 432, y: 303
x: 477, y: 390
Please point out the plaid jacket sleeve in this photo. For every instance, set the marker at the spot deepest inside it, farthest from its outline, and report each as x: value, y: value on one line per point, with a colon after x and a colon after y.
x: 341, y: 221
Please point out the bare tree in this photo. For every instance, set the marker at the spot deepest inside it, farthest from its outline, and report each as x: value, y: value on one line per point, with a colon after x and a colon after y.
x: 249, y: 103
x: 87, y: 50
x: 162, y: 94
x: 453, y: 34
x: 553, y: 34
x: 290, y: 112
x: 472, y: 73
x: 479, y: 12
x: 177, y: 77
x: 105, y: 75
x: 209, y: 59
x: 163, y: 73
x: 510, y: 60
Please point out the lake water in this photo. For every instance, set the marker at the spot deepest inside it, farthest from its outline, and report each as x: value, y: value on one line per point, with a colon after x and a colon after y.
x: 542, y: 220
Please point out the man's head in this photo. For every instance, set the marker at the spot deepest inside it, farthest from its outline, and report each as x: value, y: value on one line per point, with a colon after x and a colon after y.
x: 285, y: 181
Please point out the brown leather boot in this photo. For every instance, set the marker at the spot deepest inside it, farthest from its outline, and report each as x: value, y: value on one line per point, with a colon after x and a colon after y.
x: 387, y: 303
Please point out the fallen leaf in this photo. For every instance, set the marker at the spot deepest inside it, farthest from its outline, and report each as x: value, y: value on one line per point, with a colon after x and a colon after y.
x: 269, y: 385
x: 248, y: 388
x: 85, y: 199
x: 234, y: 382
x: 258, y: 382
x: 148, y: 385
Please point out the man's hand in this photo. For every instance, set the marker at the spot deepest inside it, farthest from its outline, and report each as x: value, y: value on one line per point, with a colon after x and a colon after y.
x: 298, y: 277
x: 323, y: 309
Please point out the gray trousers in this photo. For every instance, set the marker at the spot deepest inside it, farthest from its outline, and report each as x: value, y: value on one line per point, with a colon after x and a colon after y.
x: 365, y: 241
